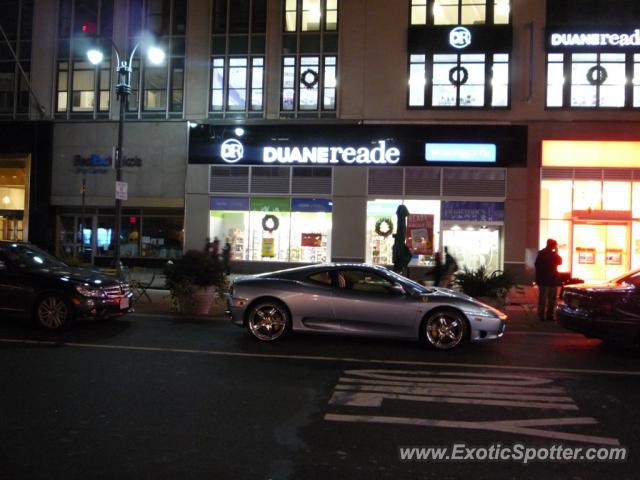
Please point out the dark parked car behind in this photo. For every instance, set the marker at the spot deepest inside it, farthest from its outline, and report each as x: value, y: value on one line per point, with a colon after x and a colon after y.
x: 36, y: 284
x: 609, y: 311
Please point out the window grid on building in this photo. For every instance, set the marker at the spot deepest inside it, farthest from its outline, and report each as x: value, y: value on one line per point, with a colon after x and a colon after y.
x: 158, y: 90
x: 18, y: 24
x: 593, y: 80
x: 460, y: 12
x: 309, y: 58
x: 83, y: 89
x: 459, y: 81
x: 237, y: 58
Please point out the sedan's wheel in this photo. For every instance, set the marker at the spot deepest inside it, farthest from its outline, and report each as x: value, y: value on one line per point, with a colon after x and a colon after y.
x: 54, y: 312
x: 445, y: 329
x: 268, y: 321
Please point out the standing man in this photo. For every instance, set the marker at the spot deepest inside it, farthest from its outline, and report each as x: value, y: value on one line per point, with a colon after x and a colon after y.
x: 449, y: 268
x: 548, y: 280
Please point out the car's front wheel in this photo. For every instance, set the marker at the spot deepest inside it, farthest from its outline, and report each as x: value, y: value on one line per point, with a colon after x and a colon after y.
x: 268, y: 321
x: 53, y: 312
x: 445, y: 329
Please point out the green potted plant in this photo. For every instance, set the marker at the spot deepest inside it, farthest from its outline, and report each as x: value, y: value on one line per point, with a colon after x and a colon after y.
x: 491, y: 288
x: 192, y: 281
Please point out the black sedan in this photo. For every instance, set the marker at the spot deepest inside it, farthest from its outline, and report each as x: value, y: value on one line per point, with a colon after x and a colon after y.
x: 36, y: 284
x: 609, y: 311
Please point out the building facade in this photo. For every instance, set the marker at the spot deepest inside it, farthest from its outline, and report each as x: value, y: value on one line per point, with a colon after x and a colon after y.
x: 295, y: 128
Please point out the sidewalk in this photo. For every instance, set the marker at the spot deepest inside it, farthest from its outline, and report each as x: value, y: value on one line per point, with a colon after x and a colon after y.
x: 522, y: 316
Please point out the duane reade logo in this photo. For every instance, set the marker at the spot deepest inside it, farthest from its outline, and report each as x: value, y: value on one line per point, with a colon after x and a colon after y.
x: 460, y: 37
x: 231, y: 150
x: 595, y: 39
x: 380, y: 154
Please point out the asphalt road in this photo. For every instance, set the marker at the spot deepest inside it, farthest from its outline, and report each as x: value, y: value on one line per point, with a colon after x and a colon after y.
x: 162, y: 397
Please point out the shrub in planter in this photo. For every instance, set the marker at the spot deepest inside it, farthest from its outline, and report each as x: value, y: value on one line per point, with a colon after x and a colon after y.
x: 479, y: 283
x: 192, y: 281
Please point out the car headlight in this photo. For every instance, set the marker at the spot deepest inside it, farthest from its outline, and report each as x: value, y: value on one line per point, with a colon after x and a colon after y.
x: 486, y: 311
x: 91, y: 292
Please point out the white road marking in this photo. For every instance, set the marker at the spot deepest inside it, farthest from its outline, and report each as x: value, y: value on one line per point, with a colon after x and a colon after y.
x: 522, y: 427
x: 370, y: 388
x: 372, y: 361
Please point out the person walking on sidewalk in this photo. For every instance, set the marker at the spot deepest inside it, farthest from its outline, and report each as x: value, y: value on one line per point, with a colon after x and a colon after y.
x: 548, y: 280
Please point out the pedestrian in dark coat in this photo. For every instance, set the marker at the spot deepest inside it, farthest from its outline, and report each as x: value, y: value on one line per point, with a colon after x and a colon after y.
x: 548, y: 280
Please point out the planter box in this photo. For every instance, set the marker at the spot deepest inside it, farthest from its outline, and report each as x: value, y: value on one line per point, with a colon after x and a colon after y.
x: 198, y: 303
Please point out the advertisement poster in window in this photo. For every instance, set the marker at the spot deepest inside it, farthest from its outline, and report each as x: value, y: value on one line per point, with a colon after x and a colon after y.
x: 420, y: 234
x: 586, y: 256
x: 311, y: 240
x: 268, y: 247
x: 614, y: 256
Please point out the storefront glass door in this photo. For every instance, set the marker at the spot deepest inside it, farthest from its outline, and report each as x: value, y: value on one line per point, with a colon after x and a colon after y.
x: 600, y: 251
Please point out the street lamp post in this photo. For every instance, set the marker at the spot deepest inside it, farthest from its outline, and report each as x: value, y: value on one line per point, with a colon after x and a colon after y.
x: 123, y: 89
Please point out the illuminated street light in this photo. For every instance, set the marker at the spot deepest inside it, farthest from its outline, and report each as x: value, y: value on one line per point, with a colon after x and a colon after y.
x: 123, y: 88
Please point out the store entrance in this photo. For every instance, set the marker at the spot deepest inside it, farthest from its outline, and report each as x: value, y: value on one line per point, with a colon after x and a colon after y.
x: 11, y: 226
x: 600, y: 251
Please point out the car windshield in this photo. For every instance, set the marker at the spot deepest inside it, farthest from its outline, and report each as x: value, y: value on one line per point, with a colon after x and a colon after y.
x: 630, y: 278
x: 407, y: 282
x: 28, y: 257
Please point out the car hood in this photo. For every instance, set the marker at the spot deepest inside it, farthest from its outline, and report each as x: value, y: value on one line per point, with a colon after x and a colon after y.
x: 609, y: 287
x: 77, y: 275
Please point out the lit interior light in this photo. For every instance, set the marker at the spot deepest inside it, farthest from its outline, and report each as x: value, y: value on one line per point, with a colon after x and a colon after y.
x: 503, y: 8
x: 192, y: 124
x: 155, y: 55
x: 95, y: 56
x: 6, y: 200
x: 239, y: 131
x: 315, y: 13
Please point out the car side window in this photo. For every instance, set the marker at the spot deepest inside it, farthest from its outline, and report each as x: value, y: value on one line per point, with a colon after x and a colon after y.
x: 364, y: 281
x: 633, y: 280
x: 321, y: 277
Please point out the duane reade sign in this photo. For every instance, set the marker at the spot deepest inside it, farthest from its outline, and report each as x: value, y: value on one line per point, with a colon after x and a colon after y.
x: 380, y: 154
x: 595, y: 39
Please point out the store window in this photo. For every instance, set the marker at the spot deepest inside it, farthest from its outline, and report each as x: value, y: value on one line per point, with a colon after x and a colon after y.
x: 17, y: 22
x: 158, y: 90
x: 145, y: 233
x: 273, y: 229
x: 381, y: 225
x: 309, y: 58
x: 456, y: 80
x: 83, y: 89
x: 14, y: 191
x: 589, y: 80
x: 237, y: 58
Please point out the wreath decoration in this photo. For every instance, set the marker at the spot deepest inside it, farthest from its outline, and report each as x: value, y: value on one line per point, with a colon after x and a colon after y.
x: 388, y: 227
x: 270, y: 223
x: 309, y: 83
x: 597, y: 75
x: 458, y: 76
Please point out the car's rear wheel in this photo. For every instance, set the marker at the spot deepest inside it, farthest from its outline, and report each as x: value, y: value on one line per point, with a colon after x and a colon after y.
x: 54, y: 312
x: 268, y: 321
x: 445, y: 329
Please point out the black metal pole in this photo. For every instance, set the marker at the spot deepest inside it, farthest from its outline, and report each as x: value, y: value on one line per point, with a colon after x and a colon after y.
x: 83, y: 213
x: 123, y: 88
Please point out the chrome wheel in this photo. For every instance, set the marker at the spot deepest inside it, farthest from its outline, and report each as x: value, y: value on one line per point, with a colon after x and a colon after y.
x: 268, y: 321
x: 445, y: 330
x: 53, y: 313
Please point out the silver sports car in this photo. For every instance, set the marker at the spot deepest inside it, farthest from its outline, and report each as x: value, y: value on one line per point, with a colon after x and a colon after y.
x: 358, y: 299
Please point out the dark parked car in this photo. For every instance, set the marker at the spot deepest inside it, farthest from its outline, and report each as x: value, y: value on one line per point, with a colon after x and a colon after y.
x: 609, y: 311
x: 36, y: 284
